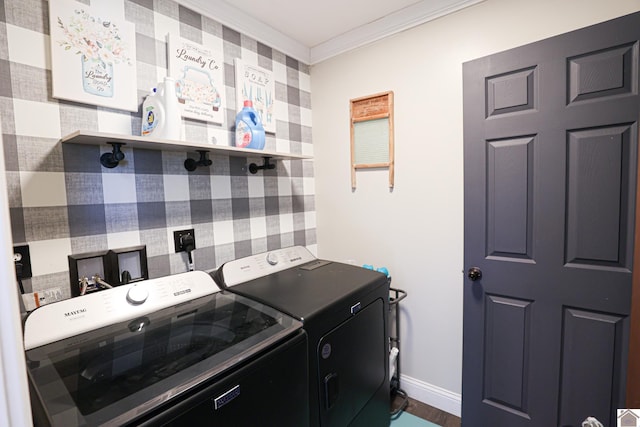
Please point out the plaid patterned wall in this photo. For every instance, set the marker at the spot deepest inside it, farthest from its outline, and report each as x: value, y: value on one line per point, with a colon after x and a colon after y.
x: 64, y: 202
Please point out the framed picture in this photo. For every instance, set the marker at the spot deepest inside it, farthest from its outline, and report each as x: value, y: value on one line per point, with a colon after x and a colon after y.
x: 198, y: 71
x: 257, y: 85
x: 93, y: 56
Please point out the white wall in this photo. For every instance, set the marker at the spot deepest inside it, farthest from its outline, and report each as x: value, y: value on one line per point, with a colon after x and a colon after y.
x: 416, y: 230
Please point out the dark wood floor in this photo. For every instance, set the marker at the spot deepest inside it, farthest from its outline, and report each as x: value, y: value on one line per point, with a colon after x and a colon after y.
x: 428, y: 413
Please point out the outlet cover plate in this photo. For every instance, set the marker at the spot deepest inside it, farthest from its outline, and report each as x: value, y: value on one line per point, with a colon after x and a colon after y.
x: 177, y: 235
x: 23, y: 250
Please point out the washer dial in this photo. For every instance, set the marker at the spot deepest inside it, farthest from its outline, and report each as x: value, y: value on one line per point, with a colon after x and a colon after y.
x: 272, y: 258
x: 137, y: 295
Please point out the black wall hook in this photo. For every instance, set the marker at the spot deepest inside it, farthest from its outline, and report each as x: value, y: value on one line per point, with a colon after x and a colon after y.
x: 253, y: 168
x: 111, y: 160
x: 191, y: 164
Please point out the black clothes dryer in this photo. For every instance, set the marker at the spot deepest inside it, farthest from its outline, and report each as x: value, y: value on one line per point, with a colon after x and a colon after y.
x: 344, y: 310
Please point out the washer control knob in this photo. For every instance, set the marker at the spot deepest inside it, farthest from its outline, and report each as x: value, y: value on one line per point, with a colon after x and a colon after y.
x: 272, y: 258
x: 137, y: 295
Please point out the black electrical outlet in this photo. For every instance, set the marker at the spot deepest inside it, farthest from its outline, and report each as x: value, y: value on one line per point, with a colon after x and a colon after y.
x: 178, y: 239
x: 21, y: 255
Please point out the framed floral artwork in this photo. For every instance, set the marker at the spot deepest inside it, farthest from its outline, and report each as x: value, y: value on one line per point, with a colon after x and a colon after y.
x: 257, y: 85
x: 93, y: 57
x: 198, y: 72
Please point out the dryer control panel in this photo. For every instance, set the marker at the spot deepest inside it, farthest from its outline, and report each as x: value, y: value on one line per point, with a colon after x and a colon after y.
x: 244, y: 269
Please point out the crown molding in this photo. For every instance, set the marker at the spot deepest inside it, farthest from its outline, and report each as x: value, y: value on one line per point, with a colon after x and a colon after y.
x: 409, y: 17
x: 234, y: 18
x: 396, y: 22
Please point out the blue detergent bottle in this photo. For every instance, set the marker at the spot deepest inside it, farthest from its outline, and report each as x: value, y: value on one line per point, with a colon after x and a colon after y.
x: 249, y: 129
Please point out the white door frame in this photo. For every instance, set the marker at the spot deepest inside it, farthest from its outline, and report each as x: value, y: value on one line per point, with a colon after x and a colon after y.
x: 15, y: 407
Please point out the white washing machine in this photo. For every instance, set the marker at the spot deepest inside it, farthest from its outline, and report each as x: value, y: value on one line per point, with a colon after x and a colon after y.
x: 172, y: 351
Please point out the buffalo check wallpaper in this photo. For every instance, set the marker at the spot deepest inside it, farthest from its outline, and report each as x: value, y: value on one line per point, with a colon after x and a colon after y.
x: 62, y: 201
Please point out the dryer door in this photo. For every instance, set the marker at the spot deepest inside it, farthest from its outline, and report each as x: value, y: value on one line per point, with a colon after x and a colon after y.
x: 353, y: 363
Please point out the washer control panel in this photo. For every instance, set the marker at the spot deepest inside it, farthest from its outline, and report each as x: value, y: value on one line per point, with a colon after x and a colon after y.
x: 244, y: 269
x: 82, y: 314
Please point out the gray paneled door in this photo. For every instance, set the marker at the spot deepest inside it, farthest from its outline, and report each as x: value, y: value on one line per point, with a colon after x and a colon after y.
x: 550, y: 140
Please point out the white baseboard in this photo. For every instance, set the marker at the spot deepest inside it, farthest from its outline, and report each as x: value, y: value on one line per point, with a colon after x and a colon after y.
x: 432, y: 395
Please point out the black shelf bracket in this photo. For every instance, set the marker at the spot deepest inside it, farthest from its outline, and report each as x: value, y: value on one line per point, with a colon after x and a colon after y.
x: 112, y: 159
x: 191, y: 164
x: 253, y: 168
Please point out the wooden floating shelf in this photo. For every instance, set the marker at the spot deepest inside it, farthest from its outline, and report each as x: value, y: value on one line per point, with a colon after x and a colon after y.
x: 99, y: 138
x: 117, y: 141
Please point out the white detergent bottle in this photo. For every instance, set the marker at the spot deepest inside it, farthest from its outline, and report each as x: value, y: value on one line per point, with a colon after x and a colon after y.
x: 161, y: 117
x: 172, y: 128
x: 152, y: 114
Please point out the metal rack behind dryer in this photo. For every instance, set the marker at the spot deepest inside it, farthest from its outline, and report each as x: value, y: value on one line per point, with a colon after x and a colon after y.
x: 395, y: 296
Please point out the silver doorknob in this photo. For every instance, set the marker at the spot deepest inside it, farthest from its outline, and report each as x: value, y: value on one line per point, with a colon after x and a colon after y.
x: 474, y: 274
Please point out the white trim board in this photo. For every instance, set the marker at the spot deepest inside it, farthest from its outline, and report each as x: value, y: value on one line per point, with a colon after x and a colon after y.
x: 389, y: 25
x: 404, y: 19
x: 432, y: 395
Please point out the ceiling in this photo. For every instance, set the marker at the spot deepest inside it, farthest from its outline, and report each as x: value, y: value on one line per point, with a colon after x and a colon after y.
x: 312, y: 31
x: 315, y: 22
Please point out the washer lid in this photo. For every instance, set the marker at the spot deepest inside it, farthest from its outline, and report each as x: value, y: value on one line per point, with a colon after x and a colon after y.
x: 117, y: 373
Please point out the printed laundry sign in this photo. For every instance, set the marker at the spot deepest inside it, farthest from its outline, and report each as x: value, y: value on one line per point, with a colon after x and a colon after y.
x: 93, y: 56
x: 257, y: 85
x: 198, y: 71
